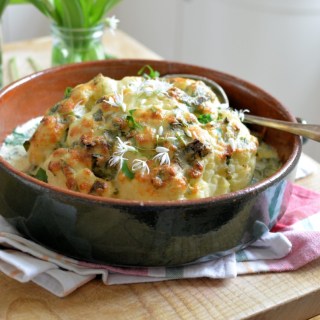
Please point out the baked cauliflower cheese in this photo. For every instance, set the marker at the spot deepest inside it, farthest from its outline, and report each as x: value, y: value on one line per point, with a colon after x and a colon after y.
x: 144, y: 139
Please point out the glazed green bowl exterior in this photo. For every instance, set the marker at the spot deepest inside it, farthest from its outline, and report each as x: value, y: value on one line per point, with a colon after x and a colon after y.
x: 134, y: 233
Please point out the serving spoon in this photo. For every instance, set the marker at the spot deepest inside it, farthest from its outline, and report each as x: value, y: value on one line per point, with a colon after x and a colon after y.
x: 310, y: 131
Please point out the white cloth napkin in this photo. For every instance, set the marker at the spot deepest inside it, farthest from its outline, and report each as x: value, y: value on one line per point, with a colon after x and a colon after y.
x: 305, y: 167
x: 25, y: 261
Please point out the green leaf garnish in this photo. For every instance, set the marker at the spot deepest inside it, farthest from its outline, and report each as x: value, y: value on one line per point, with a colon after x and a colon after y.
x: 41, y: 175
x: 153, y: 74
x: 127, y: 172
x: 205, y: 118
x: 133, y: 124
x: 67, y: 92
x: 70, y: 13
x: 220, y: 116
x: 26, y: 145
x: 55, y: 108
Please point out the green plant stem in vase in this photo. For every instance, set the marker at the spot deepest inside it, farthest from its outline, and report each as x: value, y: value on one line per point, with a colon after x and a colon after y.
x: 70, y: 45
x: 77, y: 27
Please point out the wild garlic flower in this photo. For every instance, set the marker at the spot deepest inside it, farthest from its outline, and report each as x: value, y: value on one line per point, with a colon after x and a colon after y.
x: 118, y: 155
x: 160, y: 130
x: 171, y: 138
x: 140, y: 165
x: 117, y: 101
x: 162, y: 156
x: 162, y: 87
x: 112, y: 23
x: 136, y: 85
x: 114, y: 160
x: 240, y: 113
x: 155, y: 86
x: 160, y: 135
x: 79, y: 110
x: 201, y: 91
x: 123, y: 147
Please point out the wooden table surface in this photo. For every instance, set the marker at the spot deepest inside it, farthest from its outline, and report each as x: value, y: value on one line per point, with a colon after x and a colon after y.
x: 289, y: 295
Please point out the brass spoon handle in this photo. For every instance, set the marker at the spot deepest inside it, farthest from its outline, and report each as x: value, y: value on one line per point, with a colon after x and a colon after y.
x: 311, y: 131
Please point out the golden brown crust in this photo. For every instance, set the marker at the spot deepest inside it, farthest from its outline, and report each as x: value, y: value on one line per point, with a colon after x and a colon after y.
x: 144, y: 139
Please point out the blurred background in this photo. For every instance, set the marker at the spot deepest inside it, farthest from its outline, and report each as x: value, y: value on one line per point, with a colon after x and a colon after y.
x: 274, y: 44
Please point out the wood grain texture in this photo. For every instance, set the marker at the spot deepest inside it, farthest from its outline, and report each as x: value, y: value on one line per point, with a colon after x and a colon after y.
x: 271, y: 296
x: 290, y: 295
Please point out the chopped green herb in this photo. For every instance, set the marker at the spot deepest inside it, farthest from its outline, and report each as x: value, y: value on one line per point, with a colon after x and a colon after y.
x: 98, y: 115
x: 67, y: 92
x: 55, y: 108
x: 153, y: 74
x: 205, y: 118
x: 41, y: 175
x: 127, y: 172
x: 133, y: 124
x: 220, y: 116
x: 26, y: 145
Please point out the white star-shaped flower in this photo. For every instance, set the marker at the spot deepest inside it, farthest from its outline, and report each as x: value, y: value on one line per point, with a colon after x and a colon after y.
x: 136, y: 86
x: 162, y: 156
x: 118, y: 155
x: 140, y: 165
x: 79, y: 110
x: 117, y: 101
x: 112, y: 23
x: 114, y: 160
x: 240, y: 113
x: 160, y: 135
x: 155, y: 86
x: 160, y: 130
x: 123, y: 147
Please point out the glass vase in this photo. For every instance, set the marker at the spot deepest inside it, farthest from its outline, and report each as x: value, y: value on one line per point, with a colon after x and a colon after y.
x: 70, y: 45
